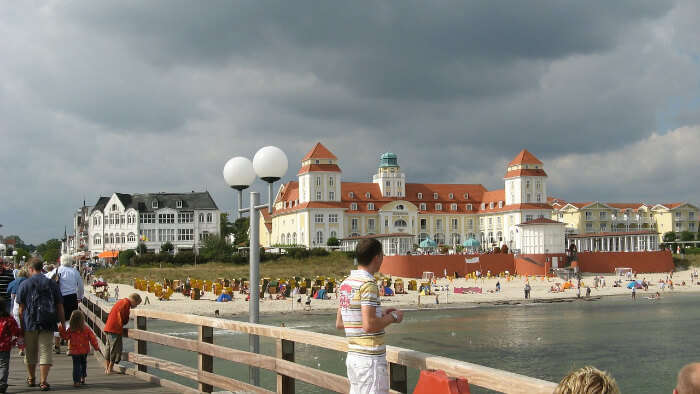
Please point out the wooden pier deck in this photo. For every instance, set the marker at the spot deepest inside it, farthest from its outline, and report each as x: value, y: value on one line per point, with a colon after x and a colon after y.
x: 61, y: 378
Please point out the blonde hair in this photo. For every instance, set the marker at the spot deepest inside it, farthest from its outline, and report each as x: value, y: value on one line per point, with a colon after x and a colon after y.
x: 23, y: 273
x: 136, y: 298
x: 587, y: 380
x: 77, y: 320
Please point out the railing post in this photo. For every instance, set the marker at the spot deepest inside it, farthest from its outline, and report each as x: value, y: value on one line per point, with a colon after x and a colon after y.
x: 285, y: 351
x: 398, y: 377
x: 205, y: 362
x: 141, y: 346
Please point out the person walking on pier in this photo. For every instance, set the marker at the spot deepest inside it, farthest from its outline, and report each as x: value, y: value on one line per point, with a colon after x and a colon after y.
x: 364, y: 320
x: 40, y: 308
x: 80, y: 337
x: 72, y: 289
x: 10, y: 335
x: 114, y: 328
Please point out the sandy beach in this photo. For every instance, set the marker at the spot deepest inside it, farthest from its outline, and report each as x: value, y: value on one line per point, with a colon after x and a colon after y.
x: 512, y: 292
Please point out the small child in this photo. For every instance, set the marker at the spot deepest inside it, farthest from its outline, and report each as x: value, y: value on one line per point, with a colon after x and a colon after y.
x: 10, y: 335
x: 114, y: 328
x: 80, y: 337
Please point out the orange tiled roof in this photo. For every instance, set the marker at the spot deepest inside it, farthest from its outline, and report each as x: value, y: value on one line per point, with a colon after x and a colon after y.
x: 475, y: 192
x: 540, y: 221
x: 268, y: 219
x: 524, y: 157
x: 319, y: 152
x: 622, y: 206
x: 673, y: 205
x: 525, y: 172
x: 319, y: 167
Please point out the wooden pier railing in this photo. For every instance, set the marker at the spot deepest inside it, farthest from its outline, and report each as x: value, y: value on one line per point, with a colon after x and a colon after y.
x: 282, y: 363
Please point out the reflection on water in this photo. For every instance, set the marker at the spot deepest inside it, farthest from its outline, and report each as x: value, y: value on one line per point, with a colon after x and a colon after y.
x: 641, y: 343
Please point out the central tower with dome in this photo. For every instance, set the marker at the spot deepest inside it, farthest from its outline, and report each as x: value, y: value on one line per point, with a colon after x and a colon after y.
x: 391, y: 181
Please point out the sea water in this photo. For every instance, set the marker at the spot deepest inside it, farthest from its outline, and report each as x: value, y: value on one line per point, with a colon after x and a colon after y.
x: 642, y: 343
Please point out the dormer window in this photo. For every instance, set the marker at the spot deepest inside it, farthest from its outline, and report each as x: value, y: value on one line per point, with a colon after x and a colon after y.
x: 453, y: 207
x: 483, y: 205
x: 420, y: 196
x: 422, y: 206
x: 466, y: 196
x: 451, y: 196
x: 318, y: 161
x: 114, y: 207
x: 351, y: 195
x: 370, y: 206
x: 178, y: 204
x: 353, y: 206
x: 154, y: 204
x: 469, y: 207
x: 435, y: 196
x: 491, y: 205
x: 438, y: 207
x: 368, y: 195
x: 500, y: 204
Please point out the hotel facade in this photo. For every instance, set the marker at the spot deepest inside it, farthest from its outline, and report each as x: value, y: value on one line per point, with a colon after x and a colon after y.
x: 320, y: 205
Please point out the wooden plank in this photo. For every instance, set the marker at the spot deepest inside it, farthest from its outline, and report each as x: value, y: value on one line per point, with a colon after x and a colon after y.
x: 230, y: 384
x: 316, y: 377
x: 491, y: 378
x: 141, y: 347
x: 398, y: 377
x: 285, y: 351
x: 205, y: 363
x: 92, y: 317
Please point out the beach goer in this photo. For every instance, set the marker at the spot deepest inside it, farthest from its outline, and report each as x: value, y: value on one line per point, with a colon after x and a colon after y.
x: 527, y: 290
x: 71, y: 286
x: 10, y: 335
x: 498, y: 286
x: 688, y: 380
x: 22, y: 275
x: 114, y: 328
x: 80, y: 337
x: 361, y: 315
x: 588, y: 291
x: 6, y: 276
x: 634, y: 292
x: 116, y: 292
x: 587, y: 380
x: 40, y: 309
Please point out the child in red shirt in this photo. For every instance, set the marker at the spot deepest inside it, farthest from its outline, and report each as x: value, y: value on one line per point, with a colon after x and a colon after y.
x: 10, y: 335
x: 80, y: 337
x: 114, y: 329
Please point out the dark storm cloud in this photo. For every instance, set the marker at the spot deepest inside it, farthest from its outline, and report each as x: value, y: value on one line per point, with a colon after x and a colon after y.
x: 132, y: 96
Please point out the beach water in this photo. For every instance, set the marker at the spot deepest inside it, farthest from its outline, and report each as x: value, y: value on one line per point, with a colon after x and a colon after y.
x: 641, y: 343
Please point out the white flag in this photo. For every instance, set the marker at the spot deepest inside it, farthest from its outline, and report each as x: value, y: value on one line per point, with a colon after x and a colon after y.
x: 471, y: 261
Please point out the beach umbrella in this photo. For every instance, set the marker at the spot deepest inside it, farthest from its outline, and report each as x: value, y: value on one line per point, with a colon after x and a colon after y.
x: 428, y: 243
x: 470, y: 243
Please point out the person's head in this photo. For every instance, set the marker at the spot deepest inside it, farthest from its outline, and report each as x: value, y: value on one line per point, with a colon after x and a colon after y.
x: 35, y: 266
x: 587, y: 380
x: 134, y: 299
x: 369, y: 254
x: 50, y: 267
x: 688, y: 380
x: 67, y: 260
x: 23, y: 273
x: 77, y: 320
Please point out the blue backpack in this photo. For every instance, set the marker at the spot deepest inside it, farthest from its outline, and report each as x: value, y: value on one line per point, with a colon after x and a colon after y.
x: 44, y: 313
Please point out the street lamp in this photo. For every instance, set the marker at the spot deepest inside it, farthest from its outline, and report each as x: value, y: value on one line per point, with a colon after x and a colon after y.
x: 14, y: 256
x: 270, y: 164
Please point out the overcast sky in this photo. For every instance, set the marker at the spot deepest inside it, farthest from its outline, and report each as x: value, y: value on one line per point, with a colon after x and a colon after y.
x: 134, y: 96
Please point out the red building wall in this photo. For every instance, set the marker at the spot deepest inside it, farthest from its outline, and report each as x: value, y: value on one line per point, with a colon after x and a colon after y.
x: 642, y: 262
x: 414, y: 266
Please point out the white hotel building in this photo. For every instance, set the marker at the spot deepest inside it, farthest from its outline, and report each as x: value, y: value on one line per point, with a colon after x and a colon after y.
x: 320, y: 205
x: 122, y: 221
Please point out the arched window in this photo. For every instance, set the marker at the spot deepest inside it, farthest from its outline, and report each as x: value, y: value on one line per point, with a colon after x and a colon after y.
x: 294, y: 238
x: 319, y: 238
x: 209, y: 217
x: 132, y: 237
x: 400, y: 223
x: 97, y: 240
x: 439, y: 238
x: 201, y: 218
x: 289, y: 238
x: 420, y: 196
x: 334, y: 234
x: 456, y: 238
x: 399, y: 207
x: 368, y: 195
x: 499, y: 235
x: 282, y: 239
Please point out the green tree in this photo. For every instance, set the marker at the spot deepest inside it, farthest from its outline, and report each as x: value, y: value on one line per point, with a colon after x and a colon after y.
x: 240, y: 231
x: 687, y: 236
x: 669, y: 236
x: 21, y: 252
x: 51, y: 255
x: 167, y: 247
x: 50, y: 250
x: 141, y: 248
x: 216, y: 248
x: 126, y: 256
x: 333, y: 241
x: 226, y: 226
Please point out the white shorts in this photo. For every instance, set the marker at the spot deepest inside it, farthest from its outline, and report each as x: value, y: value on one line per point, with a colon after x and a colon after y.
x: 367, y: 374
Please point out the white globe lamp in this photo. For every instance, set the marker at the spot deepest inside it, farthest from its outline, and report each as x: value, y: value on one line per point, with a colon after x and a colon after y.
x: 239, y: 173
x: 270, y: 163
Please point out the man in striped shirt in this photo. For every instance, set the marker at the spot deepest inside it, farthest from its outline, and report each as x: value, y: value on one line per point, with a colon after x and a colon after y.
x: 361, y: 315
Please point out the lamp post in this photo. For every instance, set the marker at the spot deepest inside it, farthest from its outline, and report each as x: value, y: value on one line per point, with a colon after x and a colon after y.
x: 270, y: 164
x: 14, y: 256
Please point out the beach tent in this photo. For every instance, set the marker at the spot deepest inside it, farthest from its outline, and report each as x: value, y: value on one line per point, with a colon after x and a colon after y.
x: 427, y: 243
x: 321, y: 294
x: 634, y: 284
x: 224, y: 298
